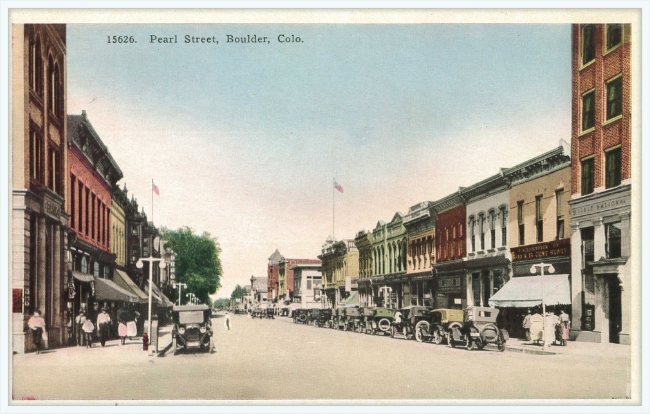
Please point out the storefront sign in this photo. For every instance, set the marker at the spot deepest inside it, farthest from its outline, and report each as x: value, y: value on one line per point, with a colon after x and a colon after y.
x: 601, y: 206
x: 52, y: 209
x: 449, y: 284
x: 542, y: 250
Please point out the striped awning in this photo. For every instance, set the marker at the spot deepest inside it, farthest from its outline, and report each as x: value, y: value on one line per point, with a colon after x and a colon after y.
x: 526, y: 292
x: 106, y: 289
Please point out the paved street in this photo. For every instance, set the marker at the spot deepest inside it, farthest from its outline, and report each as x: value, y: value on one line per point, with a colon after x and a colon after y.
x: 316, y: 364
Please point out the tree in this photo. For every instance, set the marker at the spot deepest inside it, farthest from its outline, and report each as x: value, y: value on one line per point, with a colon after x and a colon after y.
x: 222, y: 303
x: 238, y: 293
x: 197, y: 261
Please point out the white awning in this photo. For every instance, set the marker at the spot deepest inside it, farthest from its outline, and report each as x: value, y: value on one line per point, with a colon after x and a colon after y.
x: 526, y: 292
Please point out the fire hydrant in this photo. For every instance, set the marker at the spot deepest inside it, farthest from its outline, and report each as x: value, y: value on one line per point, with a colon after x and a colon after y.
x: 145, y: 342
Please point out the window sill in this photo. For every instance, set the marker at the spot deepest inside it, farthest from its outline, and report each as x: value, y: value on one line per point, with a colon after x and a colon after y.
x: 610, y: 121
x: 491, y: 250
x: 501, y: 248
x: 587, y: 131
x: 591, y: 62
x: 607, y: 52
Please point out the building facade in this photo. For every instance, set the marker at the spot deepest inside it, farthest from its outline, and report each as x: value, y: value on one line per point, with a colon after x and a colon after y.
x: 285, y: 276
x: 363, y: 241
x: 307, y: 285
x: 39, y: 158
x: 420, y: 224
x: 340, y: 263
x: 601, y: 182
x: 259, y: 289
x: 273, y: 274
x: 452, y: 284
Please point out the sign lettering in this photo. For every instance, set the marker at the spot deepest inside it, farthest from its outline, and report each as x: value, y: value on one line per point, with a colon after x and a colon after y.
x: 542, y: 250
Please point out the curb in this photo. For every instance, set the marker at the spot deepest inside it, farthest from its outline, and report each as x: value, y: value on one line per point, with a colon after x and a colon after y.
x: 529, y: 351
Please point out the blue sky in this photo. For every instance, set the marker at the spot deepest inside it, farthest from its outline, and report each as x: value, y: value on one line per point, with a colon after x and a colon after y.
x: 244, y: 140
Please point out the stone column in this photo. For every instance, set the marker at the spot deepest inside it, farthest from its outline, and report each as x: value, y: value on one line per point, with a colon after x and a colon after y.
x: 57, y: 311
x: 599, y: 239
x: 626, y: 236
x: 40, y: 266
x: 576, y: 281
x: 601, y: 317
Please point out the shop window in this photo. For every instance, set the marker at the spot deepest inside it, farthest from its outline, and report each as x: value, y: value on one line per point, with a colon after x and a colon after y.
x: 559, y: 199
x: 107, y: 272
x: 539, y: 219
x: 84, y: 264
x: 613, y: 168
x: 613, y: 234
x: 587, y: 176
x: 497, y: 281
x: 476, y: 288
x: 615, y: 97
x: 614, y: 35
x: 587, y: 236
x: 96, y: 269
x: 588, y: 110
x: 588, y: 43
x: 520, y: 221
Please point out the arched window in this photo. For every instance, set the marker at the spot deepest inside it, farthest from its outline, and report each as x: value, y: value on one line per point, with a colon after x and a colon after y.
x: 36, y: 66
x: 54, y: 88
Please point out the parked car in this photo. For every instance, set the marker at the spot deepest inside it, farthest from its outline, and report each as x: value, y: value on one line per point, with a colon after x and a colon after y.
x: 300, y: 315
x: 324, y: 318
x: 436, y: 327
x: 381, y: 320
x: 411, y: 316
x: 478, y: 329
x: 314, y: 315
x: 192, y: 328
x: 367, y: 317
x: 352, y: 319
x: 270, y: 312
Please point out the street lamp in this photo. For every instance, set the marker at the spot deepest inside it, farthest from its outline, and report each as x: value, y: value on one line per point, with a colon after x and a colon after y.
x: 386, y: 291
x: 180, y: 289
x: 533, y: 270
x: 139, y: 265
x: 191, y: 296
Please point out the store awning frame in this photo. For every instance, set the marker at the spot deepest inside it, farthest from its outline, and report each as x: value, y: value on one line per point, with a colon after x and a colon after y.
x: 107, y: 290
x: 526, y: 292
x: 83, y: 277
x: 123, y: 280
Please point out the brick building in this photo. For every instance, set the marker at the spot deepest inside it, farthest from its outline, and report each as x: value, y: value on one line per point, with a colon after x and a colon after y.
x: 601, y: 182
x: 38, y: 159
x: 285, y: 276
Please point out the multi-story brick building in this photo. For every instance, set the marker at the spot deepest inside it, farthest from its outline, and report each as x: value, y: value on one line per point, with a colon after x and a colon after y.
x: 452, y: 286
x: 285, y: 276
x: 601, y: 182
x: 39, y: 158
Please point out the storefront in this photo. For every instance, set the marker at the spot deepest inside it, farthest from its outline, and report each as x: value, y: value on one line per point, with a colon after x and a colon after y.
x: 451, y: 285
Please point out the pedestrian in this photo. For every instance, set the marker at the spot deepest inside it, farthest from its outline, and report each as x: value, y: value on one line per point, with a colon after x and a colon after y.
x: 88, y: 329
x: 122, y: 331
x: 227, y: 321
x: 79, y: 333
x: 36, y: 324
x: 103, y: 325
x: 527, y: 324
x: 565, y: 324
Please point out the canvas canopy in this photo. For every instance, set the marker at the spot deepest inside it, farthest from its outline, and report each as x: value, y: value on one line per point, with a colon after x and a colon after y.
x: 351, y: 302
x: 106, y: 289
x: 526, y: 292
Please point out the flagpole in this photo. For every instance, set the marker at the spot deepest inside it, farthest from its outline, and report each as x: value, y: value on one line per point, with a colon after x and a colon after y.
x: 152, y: 201
x: 333, y: 208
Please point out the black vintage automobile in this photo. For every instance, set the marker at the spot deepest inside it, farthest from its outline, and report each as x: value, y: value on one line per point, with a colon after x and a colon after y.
x: 351, y: 319
x: 478, y: 329
x: 192, y: 328
x: 410, y: 317
x: 324, y: 318
x: 300, y: 315
x: 314, y: 315
x: 270, y: 312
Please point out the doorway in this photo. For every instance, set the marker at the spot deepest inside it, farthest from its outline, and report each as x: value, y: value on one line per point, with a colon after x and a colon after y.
x: 614, y: 309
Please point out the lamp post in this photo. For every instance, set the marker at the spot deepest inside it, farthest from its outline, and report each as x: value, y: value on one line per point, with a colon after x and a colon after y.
x: 386, y: 291
x: 139, y: 264
x: 180, y: 289
x: 533, y: 270
x: 191, y: 295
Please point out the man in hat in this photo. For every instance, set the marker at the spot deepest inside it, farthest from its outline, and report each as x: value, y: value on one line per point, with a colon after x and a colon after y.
x: 528, y: 322
x: 103, y: 325
x: 79, y: 323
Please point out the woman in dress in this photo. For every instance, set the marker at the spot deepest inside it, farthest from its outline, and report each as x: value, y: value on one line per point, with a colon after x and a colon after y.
x: 122, y: 331
x: 88, y: 328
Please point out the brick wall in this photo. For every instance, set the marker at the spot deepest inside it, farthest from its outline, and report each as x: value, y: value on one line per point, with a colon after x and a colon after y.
x: 451, y: 227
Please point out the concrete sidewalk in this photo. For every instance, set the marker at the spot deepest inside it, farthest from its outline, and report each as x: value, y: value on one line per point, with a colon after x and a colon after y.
x: 572, y: 348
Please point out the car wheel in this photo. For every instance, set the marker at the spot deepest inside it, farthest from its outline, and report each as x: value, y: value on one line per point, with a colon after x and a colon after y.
x: 469, y: 344
x: 384, y: 325
x: 421, y: 330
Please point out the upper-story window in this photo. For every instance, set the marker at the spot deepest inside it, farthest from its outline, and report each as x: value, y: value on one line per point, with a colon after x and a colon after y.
x: 539, y: 219
x: 73, y: 196
x: 614, y: 35
x: 493, y: 229
x: 615, y: 97
x: 481, y: 229
x: 35, y: 156
x: 520, y: 221
x: 504, y: 226
x: 588, y: 110
x: 613, y: 168
x: 36, y: 67
x: 559, y: 199
x: 472, y: 235
x: 587, y: 176
x: 588, y: 43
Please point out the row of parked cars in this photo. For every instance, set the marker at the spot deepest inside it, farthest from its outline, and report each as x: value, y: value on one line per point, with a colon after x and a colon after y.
x: 471, y: 328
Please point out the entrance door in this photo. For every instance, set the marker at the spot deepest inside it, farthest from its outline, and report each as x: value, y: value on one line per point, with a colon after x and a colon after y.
x: 614, y: 309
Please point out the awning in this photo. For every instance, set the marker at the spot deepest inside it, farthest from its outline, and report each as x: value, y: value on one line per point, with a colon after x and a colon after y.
x: 159, y: 298
x: 526, y: 292
x: 350, y: 302
x: 124, y: 281
x: 106, y: 289
x: 82, y: 277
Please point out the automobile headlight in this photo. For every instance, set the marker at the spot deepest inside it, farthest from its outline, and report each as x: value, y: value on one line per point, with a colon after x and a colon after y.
x: 203, y: 329
x: 181, y: 330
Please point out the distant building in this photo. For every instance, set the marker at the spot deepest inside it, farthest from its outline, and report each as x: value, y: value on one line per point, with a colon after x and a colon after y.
x: 259, y: 289
x: 340, y: 263
x: 307, y: 285
x: 273, y: 274
x: 285, y: 276
x: 420, y: 224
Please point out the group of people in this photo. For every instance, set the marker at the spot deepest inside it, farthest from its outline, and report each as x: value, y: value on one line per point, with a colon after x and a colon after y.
x: 561, y: 328
x: 86, y: 328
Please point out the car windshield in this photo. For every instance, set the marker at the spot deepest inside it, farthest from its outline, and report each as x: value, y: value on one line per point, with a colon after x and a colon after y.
x: 190, y: 317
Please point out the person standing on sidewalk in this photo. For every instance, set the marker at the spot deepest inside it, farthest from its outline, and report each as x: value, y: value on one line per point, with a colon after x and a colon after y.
x: 527, y: 324
x: 122, y: 331
x: 88, y: 329
x: 36, y: 324
x: 79, y: 323
x: 565, y: 324
x: 227, y: 321
x: 103, y: 325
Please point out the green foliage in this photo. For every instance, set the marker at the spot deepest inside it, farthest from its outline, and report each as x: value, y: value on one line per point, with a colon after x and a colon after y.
x: 223, y: 303
x: 239, y: 292
x: 197, y: 262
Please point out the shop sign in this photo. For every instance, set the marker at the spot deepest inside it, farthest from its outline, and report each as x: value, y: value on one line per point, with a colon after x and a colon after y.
x: 449, y: 284
x: 52, y: 209
x: 542, y: 250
